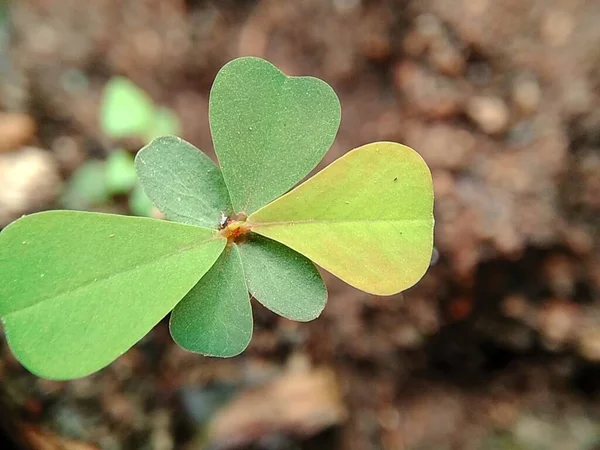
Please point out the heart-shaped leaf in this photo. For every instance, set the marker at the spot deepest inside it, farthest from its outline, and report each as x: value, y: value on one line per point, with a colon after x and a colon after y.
x: 215, y: 317
x: 79, y: 289
x: 269, y: 130
x: 283, y: 280
x: 367, y: 218
x: 183, y: 182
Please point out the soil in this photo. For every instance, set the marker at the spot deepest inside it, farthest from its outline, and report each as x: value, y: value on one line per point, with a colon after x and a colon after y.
x: 498, y: 347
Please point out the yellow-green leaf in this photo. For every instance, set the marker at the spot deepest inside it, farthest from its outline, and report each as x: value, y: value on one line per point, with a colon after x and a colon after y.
x: 367, y: 218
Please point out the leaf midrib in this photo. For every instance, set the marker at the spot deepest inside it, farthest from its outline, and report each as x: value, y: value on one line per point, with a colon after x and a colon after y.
x: 328, y: 221
x: 105, y: 278
x: 251, y: 193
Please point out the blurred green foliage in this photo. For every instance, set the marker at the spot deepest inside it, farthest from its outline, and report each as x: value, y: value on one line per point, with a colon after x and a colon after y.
x: 120, y: 176
x: 126, y: 111
x: 86, y: 187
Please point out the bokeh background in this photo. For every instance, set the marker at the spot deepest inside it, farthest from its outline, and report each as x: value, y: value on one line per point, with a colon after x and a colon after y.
x: 498, y: 347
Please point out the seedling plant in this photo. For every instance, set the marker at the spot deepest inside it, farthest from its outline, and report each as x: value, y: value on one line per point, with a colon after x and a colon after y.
x: 78, y: 289
x: 126, y: 111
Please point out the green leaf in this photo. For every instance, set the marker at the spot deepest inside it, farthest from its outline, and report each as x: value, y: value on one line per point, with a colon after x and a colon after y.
x: 165, y: 122
x: 139, y: 203
x: 120, y: 172
x: 269, y: 130
x: 126, y: 110
x: 87, y: 186
x: 215, y: 317
x: 183, y: 182
x: 367, y: 218
x: 283, y: 280
x: 78, y: 289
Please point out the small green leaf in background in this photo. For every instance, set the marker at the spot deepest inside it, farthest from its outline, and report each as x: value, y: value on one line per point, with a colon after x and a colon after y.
x: 96, y: 182
x: 86, y: 187
x: 139, y: 203
x: 120, y: 172
x: 269, y: 130
x: 183, y: 182
x: 126, y: 110
x: 121, y: 179
x: 283, y: 280
x: 79, y: 289
x: 367, y: 218
x: 215, y: 317
x: 164, y: 123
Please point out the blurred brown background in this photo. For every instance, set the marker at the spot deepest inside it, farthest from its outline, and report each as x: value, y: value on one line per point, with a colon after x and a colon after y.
x: 498, y: 347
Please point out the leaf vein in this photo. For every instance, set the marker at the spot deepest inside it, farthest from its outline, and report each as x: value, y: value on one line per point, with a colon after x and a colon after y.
x: 110, y: 276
